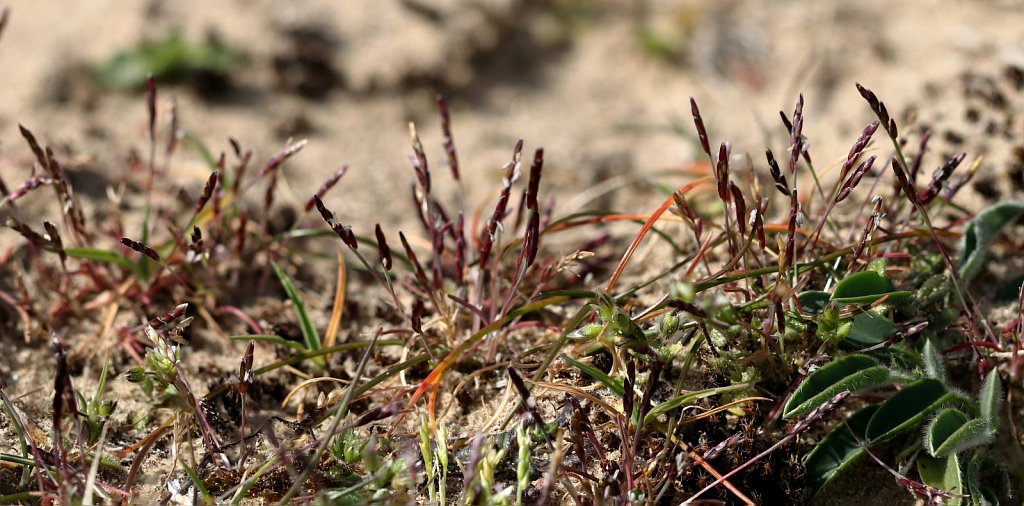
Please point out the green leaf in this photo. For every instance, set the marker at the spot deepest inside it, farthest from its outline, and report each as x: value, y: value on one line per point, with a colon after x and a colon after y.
x: 813, y: 301
x: 107, y: 257
x: 837, y: 451
x: 972, y: 478
x: 172, y: 58
x: 613, y: 384
x: 943, y: 474
x: 950, y: 432
x: 907, y: 408
x: 980, y: 233
x: 869, y: 329
x: 690, y: 397
x: 947, y: 422
x: 309, y: 334
x: 934, y: 364
x: 989, y: 399
x: 971, y: 434
x: 864, y: 288
x: 852, y: 373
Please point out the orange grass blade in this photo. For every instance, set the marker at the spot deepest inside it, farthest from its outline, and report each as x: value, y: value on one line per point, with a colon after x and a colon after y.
x: 647, y: 227
x: 436, y: 374
x: 339, y: 301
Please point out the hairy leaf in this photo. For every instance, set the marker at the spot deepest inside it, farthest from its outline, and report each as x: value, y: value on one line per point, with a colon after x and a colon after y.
x: 852, y: 373
x: 934, y: 364
x: 980, y: 233
x: 907, y: 408
x: 989, y: 399
x: 837, y: 451
x: 942, y: 473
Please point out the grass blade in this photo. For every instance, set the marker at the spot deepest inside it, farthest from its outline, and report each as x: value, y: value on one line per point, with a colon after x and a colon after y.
x: 309, y: 334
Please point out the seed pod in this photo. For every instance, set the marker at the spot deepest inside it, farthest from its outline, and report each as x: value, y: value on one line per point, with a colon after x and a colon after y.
x: 168, y: 317
x: 141, y: 248
x: 777, y: 175
x: 698, y: 122
x: 448, y: 141
x: 325, y: 213
x: 58, y: 245
x: 740, y: 207
x: 858, y: 148
x: 326, y: 186
x: 854, y: 180
x: 383, y: 251
x: 722, y: 172
x: 211, y: 184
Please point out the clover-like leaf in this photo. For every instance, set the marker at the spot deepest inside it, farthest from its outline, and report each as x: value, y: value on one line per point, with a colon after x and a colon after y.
x: 852, y: 373
x: 907, y: 408
x: 980, y: 233
x: 837, y: 451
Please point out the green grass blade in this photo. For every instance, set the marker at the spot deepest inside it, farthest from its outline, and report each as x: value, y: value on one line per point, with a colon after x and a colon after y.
x: 104, y: 256
x: 309, y: 334
x: 613, y: 384
x: 676, y: 402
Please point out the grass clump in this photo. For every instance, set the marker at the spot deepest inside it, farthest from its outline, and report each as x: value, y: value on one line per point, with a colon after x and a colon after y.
x: 792, y: 325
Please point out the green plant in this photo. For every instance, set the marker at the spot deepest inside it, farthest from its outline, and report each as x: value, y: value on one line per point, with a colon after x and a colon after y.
x: 170, y: 59
x: 661, y: 384
x: 926, y: 397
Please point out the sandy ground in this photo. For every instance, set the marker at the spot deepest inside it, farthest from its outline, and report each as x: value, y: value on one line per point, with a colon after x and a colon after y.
x: 572, y: 76
x: 583, y: 87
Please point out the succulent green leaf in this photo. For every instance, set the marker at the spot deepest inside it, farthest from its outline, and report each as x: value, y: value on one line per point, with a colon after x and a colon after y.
x: 837, y: 451
x: 907, y: 408
x: 861, y: 285
x: 853, y: 373
x: 980, y: 233
x: 942, y: 473
x: 934, y: 364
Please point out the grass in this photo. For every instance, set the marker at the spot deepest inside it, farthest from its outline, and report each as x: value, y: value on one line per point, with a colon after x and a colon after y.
x: 790, y: 328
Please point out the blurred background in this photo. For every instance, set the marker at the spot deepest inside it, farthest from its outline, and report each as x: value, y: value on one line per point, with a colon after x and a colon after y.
x: 603, y: 85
